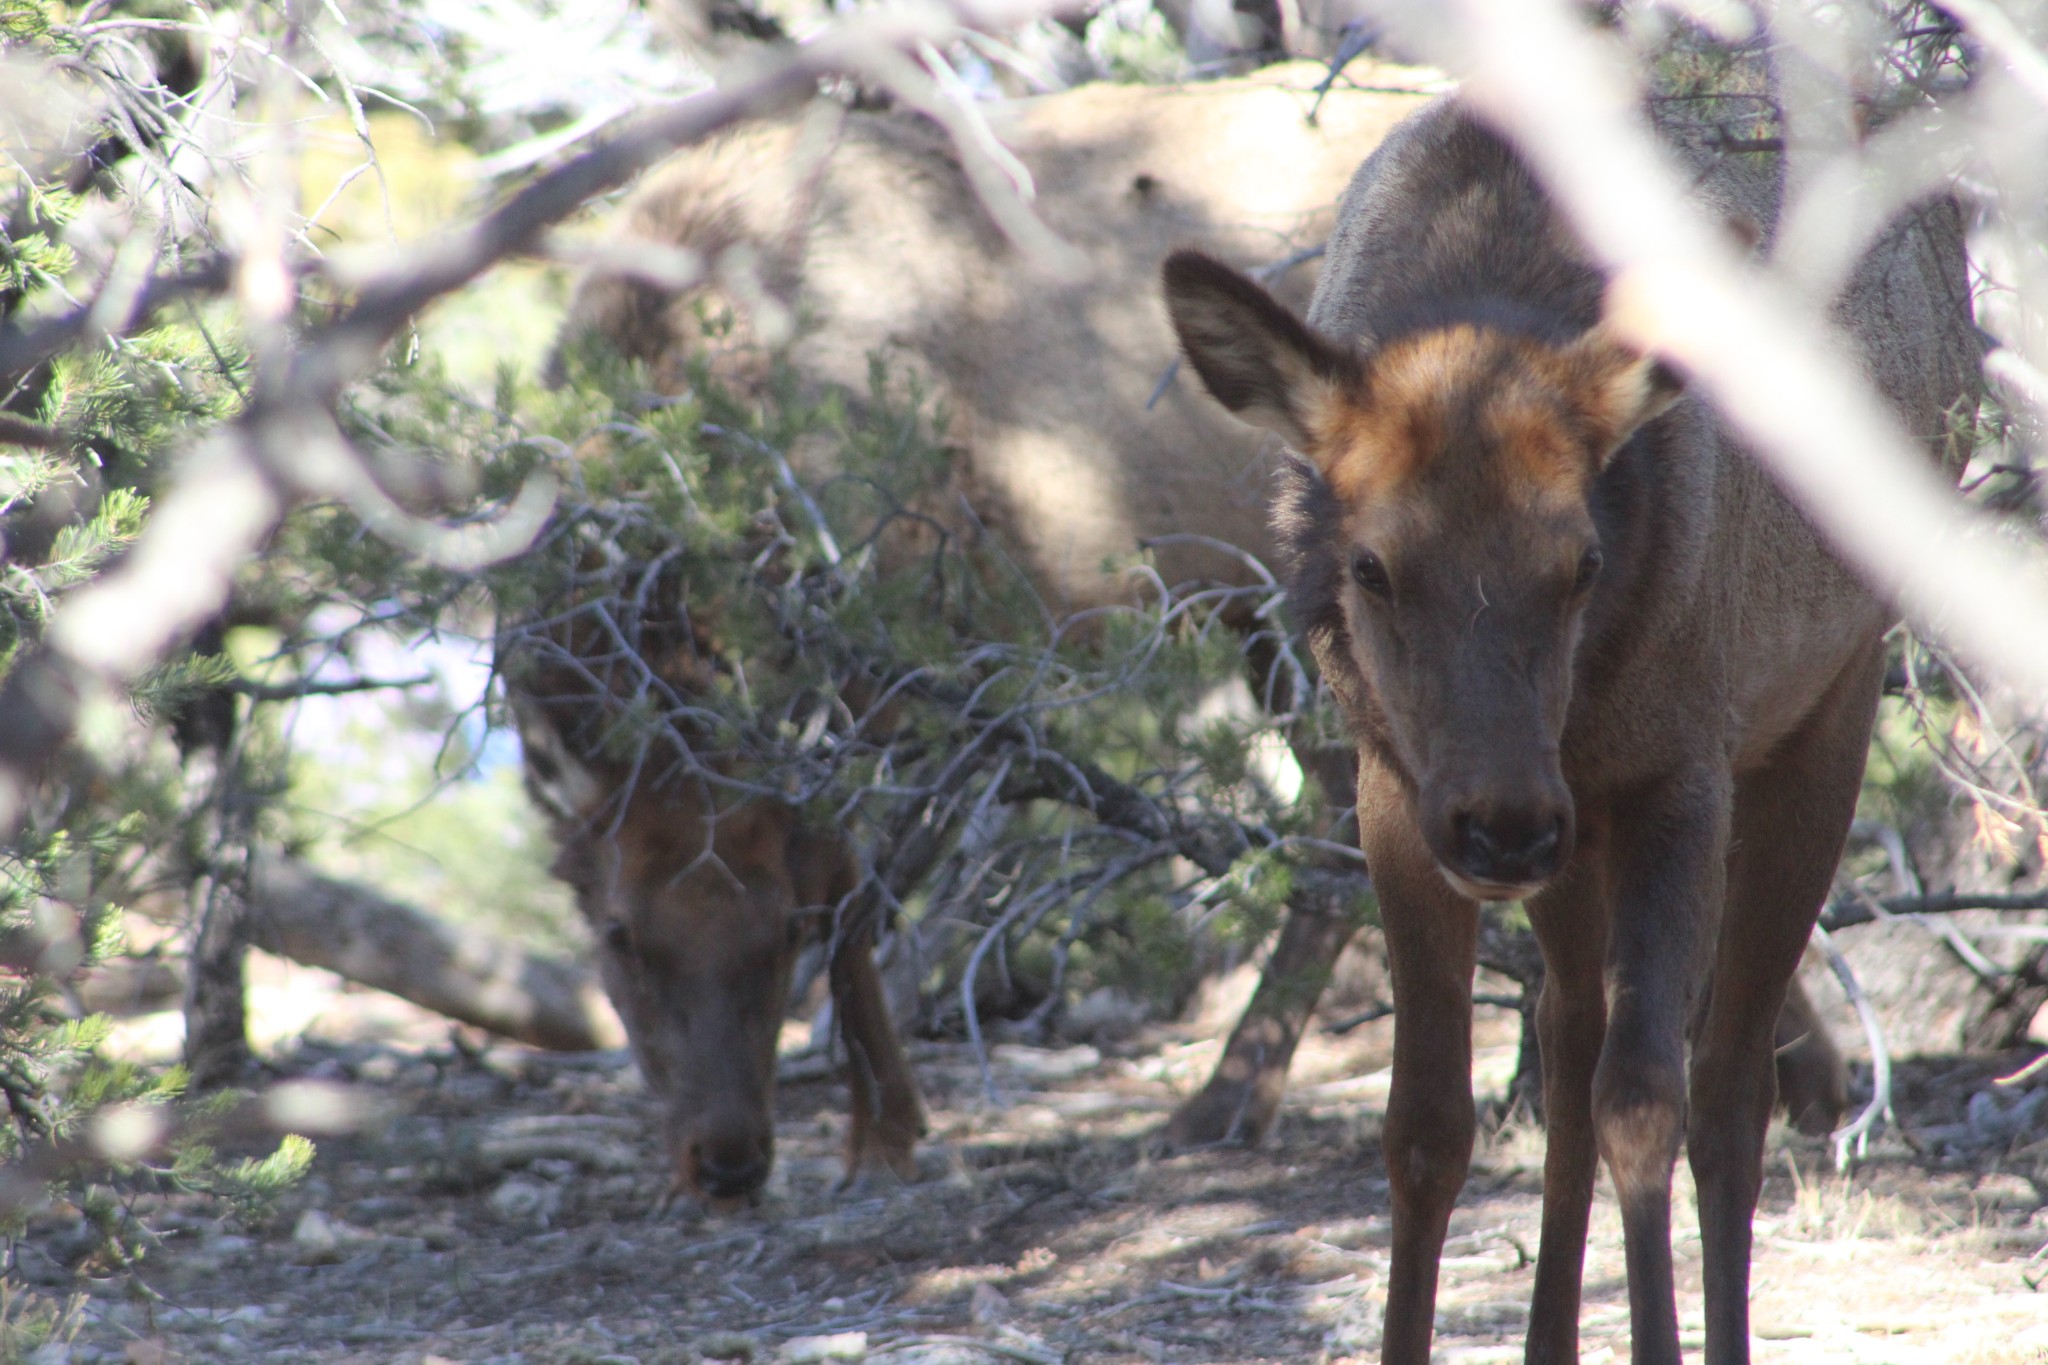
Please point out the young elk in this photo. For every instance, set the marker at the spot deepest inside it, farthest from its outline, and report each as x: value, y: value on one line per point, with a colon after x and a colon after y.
x: 700, y: 904
x: 1593, y: 660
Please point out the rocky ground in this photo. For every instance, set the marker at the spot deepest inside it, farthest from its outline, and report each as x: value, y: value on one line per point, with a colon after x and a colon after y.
x: 503, y: 1210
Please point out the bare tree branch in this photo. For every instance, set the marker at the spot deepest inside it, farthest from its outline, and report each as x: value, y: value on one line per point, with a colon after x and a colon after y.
x: 1844, y: 911
x: 307, y: 687
x: 18, y: 431
x: 21, y: 351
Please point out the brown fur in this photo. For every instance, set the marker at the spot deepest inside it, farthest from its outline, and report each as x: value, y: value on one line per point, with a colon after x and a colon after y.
x: 861, y: 230
x: 1593, y: 659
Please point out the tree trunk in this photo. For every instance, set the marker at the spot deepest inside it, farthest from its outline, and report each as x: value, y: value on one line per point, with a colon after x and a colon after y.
x: 216, y: 1010
x: 466, y: 974
x: 1244, y: 1092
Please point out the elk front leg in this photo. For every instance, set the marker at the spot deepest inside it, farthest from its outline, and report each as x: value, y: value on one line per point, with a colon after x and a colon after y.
x: 1668, y: 871
x: 1570, y: 918
x: 887, y: 1113
x: 1432, y: 938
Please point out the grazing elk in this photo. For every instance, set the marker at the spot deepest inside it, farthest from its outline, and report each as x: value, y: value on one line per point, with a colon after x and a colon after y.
x: 1593, y: 659
x: 700, y: 905
x: 865, y: 229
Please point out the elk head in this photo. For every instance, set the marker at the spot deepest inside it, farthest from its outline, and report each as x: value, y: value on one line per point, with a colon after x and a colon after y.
x: 700, y: 905
x: 1445, y: 530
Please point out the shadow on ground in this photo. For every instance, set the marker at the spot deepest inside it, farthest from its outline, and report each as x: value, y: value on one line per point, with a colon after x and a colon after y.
x: 505, y: 1212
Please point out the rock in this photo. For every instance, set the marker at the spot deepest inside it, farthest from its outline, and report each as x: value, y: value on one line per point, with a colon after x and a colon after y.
x: 1046, y: 1064
x: 321, y: 1239
x: 726, y: 1346
x: 1107, y: 1011
x: 811, y: 1350
x: 314, y: 1241
x: 520, y: 1200
x: 987, y: 1306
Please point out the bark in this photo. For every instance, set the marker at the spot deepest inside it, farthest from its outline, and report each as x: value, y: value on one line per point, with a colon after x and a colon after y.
x: 216, y: 1004
x: 1244, y: 1092
x: 464, y: 973
x: 216, y: 1007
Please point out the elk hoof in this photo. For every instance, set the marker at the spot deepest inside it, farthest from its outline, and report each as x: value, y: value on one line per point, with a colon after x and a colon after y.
x: 893, y: 1153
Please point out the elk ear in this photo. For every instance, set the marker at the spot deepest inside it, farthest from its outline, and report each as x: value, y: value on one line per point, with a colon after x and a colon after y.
x: 1617, y: 387
x: 559, y: 781
x: 1254, y: 356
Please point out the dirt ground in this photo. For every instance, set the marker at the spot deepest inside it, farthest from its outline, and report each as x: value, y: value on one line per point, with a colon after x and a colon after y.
x: 503, y: 1211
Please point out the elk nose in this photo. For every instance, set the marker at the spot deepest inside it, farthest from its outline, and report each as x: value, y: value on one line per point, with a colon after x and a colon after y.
x: 1509, y: 848
x: 729, y: 1169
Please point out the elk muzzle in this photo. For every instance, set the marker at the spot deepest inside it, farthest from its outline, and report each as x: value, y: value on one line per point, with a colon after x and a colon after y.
x: 1502, y: 845
x: 724, y: 1161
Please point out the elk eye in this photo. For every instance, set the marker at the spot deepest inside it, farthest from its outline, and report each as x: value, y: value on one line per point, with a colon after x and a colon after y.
x: 1589, y: 568
x: 619, y: 938
x: 1370, y: 574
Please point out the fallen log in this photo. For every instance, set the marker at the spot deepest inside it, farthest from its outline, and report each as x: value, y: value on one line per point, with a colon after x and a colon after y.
x: 464, y: 973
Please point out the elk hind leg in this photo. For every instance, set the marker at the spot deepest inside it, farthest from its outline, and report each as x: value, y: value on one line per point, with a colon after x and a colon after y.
x: 1790, y: 821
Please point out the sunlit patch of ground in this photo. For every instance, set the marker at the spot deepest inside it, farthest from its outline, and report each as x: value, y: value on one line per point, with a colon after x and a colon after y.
x: 506, y: 1214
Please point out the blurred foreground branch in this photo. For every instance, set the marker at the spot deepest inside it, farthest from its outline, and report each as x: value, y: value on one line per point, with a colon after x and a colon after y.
x: 229, y: 495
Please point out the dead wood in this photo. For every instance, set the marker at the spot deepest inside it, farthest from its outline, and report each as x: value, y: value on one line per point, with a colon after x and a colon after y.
x: 466, y: 974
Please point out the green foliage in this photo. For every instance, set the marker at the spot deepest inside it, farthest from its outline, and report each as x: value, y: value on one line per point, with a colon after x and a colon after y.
x: 251, y: 1185
x: 70, y: 506
x: 79, y: 551
x: 805, y: 612
x: 1140, y: 49
x: 28, y: 1320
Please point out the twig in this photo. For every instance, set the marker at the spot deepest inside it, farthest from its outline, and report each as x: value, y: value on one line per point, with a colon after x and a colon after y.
x: 1907, y: 883
x: 2001, y: 37
x: 1339, y: 1027
x: 1856, y: 1134
x: 1028, y: 1354
x: 19, y: 431
x: 1843, y: 912
x: 307, y: 687
x: 1357, y: 36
